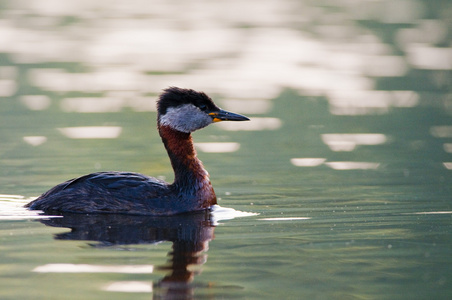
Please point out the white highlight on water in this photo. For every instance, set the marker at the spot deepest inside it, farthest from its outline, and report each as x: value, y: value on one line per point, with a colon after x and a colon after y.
x: 285, y: 219
x: 224, y: 213
x: 91, y: 132
x: 129, y: 287
x: 86, y: 268
x: 217, y: 147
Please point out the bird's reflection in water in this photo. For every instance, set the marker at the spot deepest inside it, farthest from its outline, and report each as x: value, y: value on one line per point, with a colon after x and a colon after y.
x: 189, y: 233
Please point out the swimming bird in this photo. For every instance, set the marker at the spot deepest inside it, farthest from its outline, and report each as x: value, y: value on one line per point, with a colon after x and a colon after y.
x: 179, y: 112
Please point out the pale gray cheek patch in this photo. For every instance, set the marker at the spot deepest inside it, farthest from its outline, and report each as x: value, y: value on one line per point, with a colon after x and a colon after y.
x: 185, y: 118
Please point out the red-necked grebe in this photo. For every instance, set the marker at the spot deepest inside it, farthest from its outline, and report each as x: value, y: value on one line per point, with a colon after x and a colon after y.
x: 179, y: 112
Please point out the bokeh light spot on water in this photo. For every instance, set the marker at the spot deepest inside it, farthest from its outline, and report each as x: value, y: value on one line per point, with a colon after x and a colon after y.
x: 91, y: 132
x: 36, y: 102
x: 352, y: 165
x: 8, y: 87
x: 93, y: 105
x: 113, y: 102
x: 448, y: 147
x: 217, y: 147
x: 348, y: 141
x: 447, y: 165
x: 255, y: 124
x: 356, y: 102
x: 441, y: 131
x: 86, y: 268
x: 129, y: 287
x: 248, y: 106
x: 35, y: 140
x: 434, y: 213
x: 424, y: 56
x: 307, y: 162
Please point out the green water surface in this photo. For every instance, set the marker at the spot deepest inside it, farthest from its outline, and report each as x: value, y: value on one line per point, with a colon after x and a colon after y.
x: 378, y: 231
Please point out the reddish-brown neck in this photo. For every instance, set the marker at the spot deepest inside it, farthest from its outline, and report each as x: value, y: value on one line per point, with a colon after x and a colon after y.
x: 190, y: 177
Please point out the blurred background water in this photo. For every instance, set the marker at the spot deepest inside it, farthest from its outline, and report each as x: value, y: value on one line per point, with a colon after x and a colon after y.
x: 346, y: 163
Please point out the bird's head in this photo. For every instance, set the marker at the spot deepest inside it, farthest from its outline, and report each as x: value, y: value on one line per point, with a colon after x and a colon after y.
x: 187, y: 110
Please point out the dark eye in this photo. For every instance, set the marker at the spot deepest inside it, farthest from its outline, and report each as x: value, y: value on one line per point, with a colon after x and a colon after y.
x: 202, y: 107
